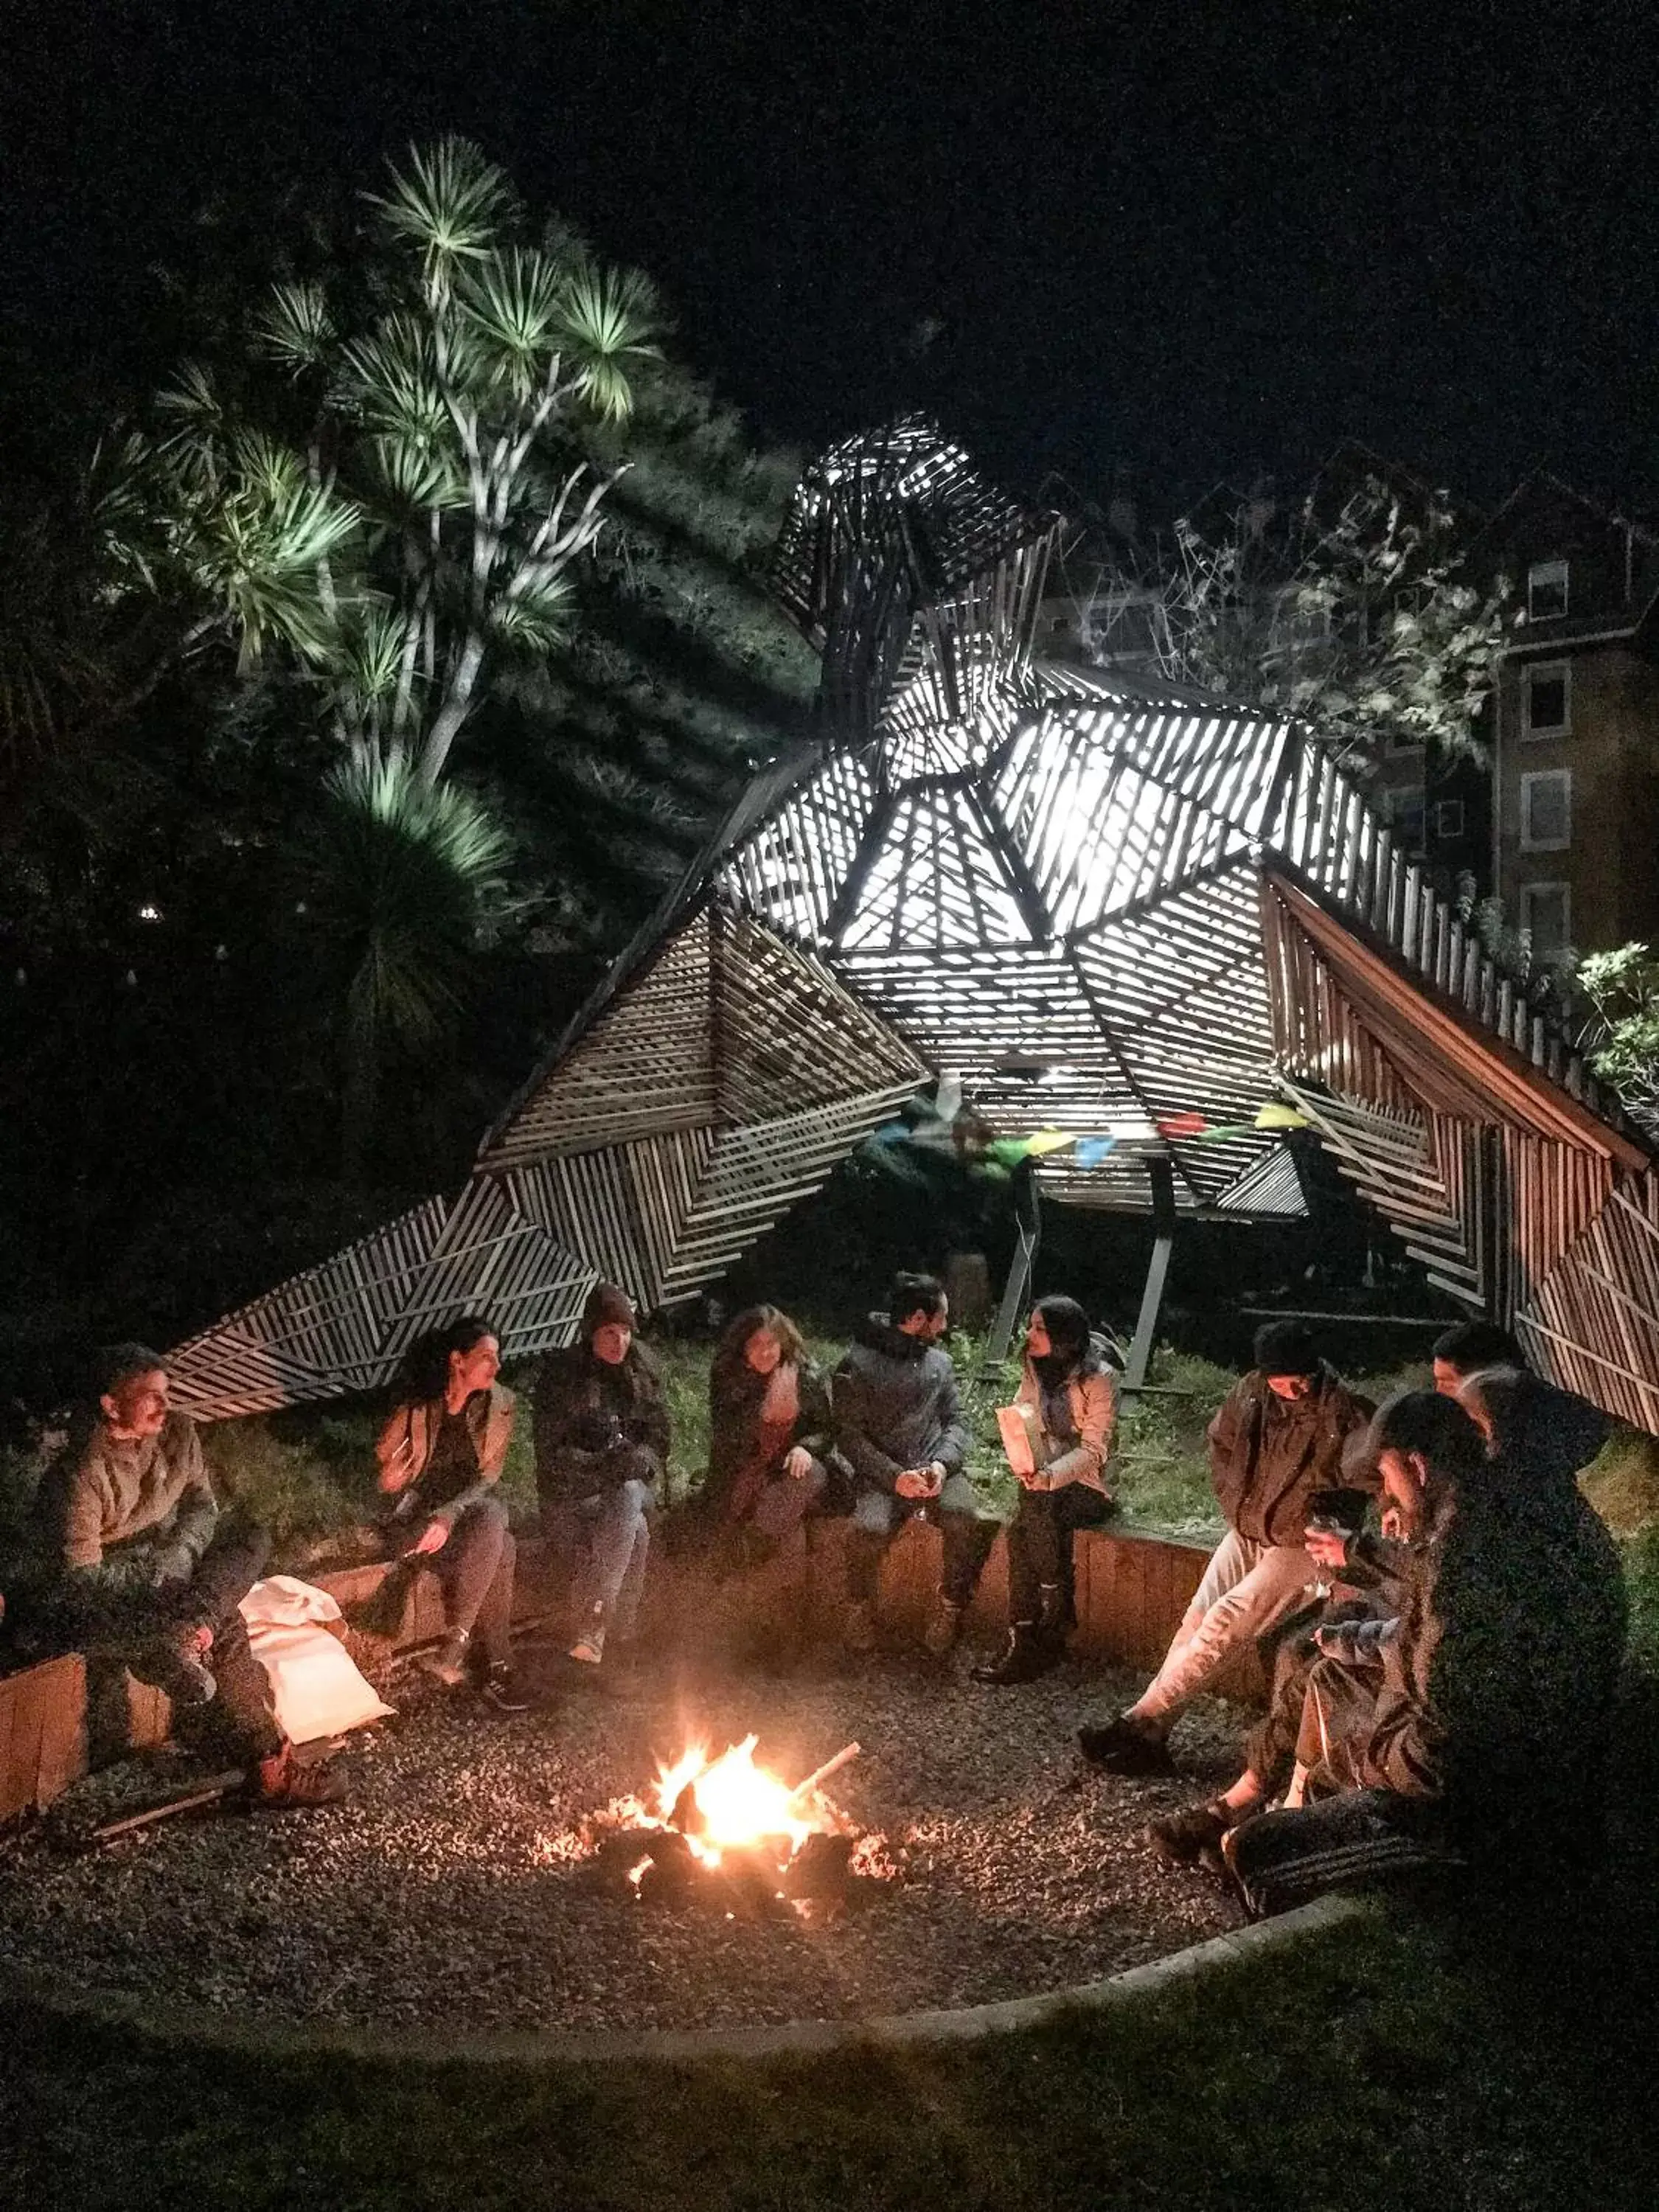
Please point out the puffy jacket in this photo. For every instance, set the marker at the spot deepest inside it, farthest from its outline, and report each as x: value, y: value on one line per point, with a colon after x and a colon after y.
x: 1076, y: 1449
x: 1268, y: 1455
x: 895, y: 1406
x: 598, y: 1425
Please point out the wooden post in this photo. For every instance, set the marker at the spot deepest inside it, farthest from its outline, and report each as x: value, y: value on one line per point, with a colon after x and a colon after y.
x: 1161, y: 1175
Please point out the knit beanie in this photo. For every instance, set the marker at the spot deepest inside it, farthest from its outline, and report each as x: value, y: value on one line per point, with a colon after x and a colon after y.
x: 606, y: 1304
x: 1286, y: 1347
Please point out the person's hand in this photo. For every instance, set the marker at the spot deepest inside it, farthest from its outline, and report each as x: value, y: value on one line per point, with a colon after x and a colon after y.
x: 914, y: 1482
x: 1031, y: 1478
x: 797, y: 1462
x: 432, y: 1538
x: 1392, y: 1527
x: 1335, y: 1642
x: 1327, y: 1546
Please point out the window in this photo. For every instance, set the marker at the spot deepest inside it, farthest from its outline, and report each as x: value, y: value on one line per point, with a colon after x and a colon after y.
x: 1404, y: 811
x: 1547, y: 699
x: 1546, y: 590
x: 1547, y: 811
x: 1547, y: 916
x: 1449, y: 817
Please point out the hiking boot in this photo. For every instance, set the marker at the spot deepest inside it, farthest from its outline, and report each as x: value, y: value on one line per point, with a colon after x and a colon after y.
x: 1027, y: 1654
x: 1184, y: 1837
x: 281, y: 1784
x: 499, y: 1692
x: 944, y: 1626
x: 1126, y: 1746
x: 447, y: 1664
x: 858, y: 1631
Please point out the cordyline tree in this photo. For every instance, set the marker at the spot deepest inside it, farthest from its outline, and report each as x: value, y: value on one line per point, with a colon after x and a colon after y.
x: 405, y: 517
x: 1364, y: 620
x: 379, y: 505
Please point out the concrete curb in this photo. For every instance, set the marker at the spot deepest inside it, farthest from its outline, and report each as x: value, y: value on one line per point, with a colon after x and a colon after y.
x: 525, y: 2048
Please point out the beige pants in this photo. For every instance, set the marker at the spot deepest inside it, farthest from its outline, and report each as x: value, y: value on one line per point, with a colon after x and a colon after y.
x: 1247, y: 1590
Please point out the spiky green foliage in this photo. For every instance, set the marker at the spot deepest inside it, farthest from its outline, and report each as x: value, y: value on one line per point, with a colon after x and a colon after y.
x: 399, y: 874
x: 389, y: 494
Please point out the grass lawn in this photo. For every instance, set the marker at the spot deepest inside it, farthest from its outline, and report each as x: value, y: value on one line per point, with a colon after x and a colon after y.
x: 1460, y: 2063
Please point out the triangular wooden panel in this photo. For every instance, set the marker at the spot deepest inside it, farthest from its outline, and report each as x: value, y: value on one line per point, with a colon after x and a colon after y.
x: 789, y: 1036
x: 647, y: 1063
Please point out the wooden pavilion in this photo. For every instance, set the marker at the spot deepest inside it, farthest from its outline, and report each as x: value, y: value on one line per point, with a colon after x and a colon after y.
x: 1156, y: 929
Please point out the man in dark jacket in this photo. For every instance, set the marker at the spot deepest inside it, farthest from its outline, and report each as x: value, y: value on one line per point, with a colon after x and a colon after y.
x: 1277, y: 1441
x: 1487, y: 1737
x: 139, y: 1568
x: 602, y: 1437
x: 899, y: 1426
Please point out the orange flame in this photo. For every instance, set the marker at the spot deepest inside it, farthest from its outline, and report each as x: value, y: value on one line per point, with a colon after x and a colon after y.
x: 739, y: 1803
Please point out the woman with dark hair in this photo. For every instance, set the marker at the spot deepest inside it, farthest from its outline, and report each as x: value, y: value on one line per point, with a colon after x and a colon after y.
x: 441, y: 1455
x: 769, y: 1428
x: 1058, y: 1435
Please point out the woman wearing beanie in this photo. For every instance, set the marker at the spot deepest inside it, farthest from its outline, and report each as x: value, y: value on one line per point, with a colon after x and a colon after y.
x: 1058, y: 1439
x: 601, y: 1435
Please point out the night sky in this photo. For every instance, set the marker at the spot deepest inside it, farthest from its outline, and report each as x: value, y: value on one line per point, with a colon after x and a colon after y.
x: 1139, y: 247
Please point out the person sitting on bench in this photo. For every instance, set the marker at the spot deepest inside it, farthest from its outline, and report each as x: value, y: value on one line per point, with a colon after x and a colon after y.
x: 1067, y: 1406
x: 602, y: 1440
x: 1486, y: 1740
x: 1277, y: 1440
x: 899, y: 1426
x: 441, y: 1456
x: 770, y: 1456
x: 140, y: 1565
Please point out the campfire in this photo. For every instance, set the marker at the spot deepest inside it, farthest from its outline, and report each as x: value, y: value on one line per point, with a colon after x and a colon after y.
x: 720, y: 1830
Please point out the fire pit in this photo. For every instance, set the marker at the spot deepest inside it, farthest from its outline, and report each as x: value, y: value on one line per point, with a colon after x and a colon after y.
x: 721, y: 1831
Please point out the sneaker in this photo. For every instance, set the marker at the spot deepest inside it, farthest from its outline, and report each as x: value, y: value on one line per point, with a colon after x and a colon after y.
x: 589, y: 1648
x: 944, y: 1626
x: 447, y: 1664
x: 1027, y: 1654
x: 281, y: 1784
x: 1126, y: 1746
x: 499, y: 1693
x: 1182, y: 1838
x: 858, y: 1630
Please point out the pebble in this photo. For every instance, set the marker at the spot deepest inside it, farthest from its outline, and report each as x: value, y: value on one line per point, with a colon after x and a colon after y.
x: 447, y: 1891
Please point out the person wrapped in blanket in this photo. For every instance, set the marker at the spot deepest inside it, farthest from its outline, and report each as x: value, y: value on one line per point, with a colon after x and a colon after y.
x: 1058, y: 1441
x: 772, y: 1463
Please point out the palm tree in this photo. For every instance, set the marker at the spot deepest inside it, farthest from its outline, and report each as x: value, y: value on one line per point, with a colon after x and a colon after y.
x: 397, y: 872
x: 396, y: 514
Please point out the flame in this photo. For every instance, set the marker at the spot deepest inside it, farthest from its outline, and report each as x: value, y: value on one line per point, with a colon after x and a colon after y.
x: 739, y: 1804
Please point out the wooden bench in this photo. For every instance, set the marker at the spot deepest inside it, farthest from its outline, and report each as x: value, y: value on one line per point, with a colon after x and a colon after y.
x: 1131, y: 1591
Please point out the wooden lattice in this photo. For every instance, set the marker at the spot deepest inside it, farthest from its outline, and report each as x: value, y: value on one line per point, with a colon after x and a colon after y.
x: 1124, y: 919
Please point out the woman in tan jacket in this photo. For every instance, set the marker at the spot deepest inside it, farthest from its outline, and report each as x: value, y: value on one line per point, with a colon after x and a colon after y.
x: 1066, y: 1410
x: 439, y: 1457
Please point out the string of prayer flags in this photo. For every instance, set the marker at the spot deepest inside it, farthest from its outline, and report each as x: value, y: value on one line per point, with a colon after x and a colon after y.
x: 1273, y: 1115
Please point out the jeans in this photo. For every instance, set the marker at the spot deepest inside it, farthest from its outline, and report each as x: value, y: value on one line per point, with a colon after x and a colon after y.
x: 879, y: 1515
x: 475, y: 1569
x: 1249, y: 1589
x: 606, y: 1538
x: 134, y: 1629
x: 787, y: 1501
x: 1040, y: 1544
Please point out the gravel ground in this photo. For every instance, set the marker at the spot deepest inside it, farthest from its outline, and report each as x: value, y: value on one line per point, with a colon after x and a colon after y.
x: 447, y: 1894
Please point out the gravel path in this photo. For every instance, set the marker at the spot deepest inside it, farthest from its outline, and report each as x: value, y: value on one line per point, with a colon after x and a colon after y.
x: 445, y: 1895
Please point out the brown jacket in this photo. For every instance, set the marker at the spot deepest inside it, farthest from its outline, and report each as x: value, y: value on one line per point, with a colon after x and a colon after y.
x: 1268, y: 1455
x: 122, y: 1514
x: 403, y: 1448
